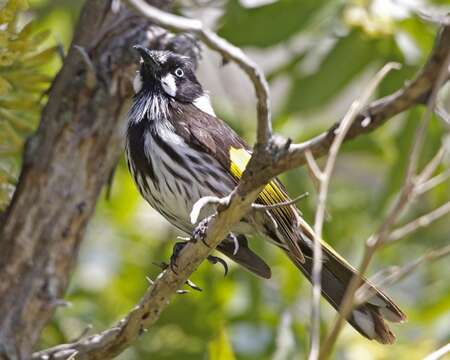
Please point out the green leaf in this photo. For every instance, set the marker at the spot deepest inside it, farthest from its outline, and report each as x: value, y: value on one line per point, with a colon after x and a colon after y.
x: 19, y: 102
x: 26, y: 32
x: 9, y: 11
x: 41, y: 58
x: 31, y: 75
x: 267, y: 25
x: 14, y: 138
x: 220, y: 347
x: 21, y: 121
x: 40, y: 37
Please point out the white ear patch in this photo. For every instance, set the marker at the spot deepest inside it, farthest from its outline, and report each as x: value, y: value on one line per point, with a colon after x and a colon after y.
x: 168, y: 84
x: 137, y: 82
x: 204, y: 104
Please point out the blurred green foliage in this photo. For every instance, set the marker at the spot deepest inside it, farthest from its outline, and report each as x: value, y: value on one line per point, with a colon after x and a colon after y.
x: 328, y: 51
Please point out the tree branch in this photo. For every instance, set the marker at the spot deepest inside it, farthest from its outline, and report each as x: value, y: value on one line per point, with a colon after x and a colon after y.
x: 421, y: 222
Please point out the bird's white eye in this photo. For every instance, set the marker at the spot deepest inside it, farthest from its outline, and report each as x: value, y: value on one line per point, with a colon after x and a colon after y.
x: 179, y: 72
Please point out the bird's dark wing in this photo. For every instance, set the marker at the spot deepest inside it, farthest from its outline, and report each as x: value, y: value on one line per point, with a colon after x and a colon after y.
x: 208, y: 133
x: 215, y: 137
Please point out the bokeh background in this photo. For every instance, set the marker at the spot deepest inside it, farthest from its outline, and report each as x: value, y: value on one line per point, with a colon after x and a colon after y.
x: 317, y: 55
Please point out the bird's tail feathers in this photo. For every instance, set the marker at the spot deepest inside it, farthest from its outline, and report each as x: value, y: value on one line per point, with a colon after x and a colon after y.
x: 368, y: 318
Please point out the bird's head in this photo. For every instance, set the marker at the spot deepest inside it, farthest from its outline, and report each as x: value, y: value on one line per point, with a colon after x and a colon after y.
x: 168, y: 74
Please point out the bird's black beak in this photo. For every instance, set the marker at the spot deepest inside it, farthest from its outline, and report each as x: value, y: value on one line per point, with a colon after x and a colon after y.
x: 148, y: 57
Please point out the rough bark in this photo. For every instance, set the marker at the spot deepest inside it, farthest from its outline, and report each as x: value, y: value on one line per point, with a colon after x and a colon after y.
x: 65, y: 165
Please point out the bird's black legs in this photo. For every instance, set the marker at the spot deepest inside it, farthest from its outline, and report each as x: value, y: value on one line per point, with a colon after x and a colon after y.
x: 178, y: 247
x: 163, y: 265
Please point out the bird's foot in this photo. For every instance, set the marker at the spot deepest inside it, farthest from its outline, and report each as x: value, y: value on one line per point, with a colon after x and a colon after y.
x: 176, y: 253
x: 179, y: 246
x: 199, y: 232
x: 164, y: 266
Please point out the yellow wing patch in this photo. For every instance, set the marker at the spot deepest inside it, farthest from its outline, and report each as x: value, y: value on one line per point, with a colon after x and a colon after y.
x: 239, y: 159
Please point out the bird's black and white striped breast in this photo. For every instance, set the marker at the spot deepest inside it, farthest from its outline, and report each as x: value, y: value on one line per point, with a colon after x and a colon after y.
x: 170, y: 173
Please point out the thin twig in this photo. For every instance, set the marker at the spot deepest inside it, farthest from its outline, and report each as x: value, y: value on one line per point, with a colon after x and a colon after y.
x: 73, y: 356
x: 313, y: 166
x: 439, y: 353
x: 430, y: 168
x: 433, y: 182
x: 442, y: 114
x: 261, y: 207
x: 421, y: 222
x: 85, y: 331
x: 314, y: 172
x: 342, y: 130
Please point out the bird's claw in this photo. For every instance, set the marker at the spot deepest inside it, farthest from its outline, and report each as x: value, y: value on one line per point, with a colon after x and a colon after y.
x: 235, y: 240
x: 192, y: 285
x: 214, y: 260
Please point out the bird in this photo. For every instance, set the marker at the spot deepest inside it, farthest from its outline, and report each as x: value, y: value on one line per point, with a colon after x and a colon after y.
x: 178, y: 151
